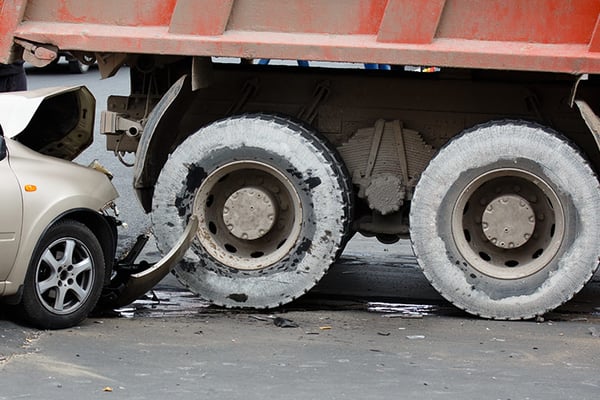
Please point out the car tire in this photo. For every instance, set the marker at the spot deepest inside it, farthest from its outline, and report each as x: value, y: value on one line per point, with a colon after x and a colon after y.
x: 505, y: 220
x: 65, y: 277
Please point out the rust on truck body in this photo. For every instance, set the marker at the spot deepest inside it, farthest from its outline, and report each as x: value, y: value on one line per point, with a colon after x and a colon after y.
x: 537, y: 35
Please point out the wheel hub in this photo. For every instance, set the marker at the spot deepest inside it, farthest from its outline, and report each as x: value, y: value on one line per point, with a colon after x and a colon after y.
x: 508, y: 221
x: 249, y: 213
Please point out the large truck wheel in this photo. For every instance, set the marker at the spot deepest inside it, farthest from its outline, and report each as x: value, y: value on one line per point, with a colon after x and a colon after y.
x: 505, y: 221
x: 272, y: 204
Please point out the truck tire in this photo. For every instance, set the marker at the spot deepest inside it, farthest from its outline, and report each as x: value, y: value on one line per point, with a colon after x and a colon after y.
x: 272, y: 200
x: 505, y: 220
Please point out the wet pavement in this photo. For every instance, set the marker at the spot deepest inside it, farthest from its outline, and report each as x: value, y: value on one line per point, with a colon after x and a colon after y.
x: 385, y: 279
x: 372, y: 329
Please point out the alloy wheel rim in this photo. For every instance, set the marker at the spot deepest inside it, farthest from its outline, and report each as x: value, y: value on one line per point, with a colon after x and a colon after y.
x: 64, y: 276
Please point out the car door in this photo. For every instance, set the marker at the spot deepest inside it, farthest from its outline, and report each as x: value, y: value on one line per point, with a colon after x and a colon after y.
x: 11, y: 210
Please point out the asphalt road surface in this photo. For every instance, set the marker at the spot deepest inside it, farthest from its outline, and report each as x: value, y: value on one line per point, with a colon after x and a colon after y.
x: 372, y: 329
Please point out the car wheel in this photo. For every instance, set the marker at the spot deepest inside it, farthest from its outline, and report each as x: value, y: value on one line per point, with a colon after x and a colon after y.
x: 505, y: 220
x: 273, y: 207
x: 65, y: 277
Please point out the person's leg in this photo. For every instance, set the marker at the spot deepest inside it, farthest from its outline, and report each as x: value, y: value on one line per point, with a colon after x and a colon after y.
x: 16, y: 82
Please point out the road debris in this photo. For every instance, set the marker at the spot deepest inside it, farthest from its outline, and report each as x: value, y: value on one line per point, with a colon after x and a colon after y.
x: 403, y: 315
x: 401, y: 310
x: 261, y: 318
x: 285, y: 323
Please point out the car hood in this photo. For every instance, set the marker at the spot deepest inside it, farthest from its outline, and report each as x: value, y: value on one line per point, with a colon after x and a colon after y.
x: 58, y: 121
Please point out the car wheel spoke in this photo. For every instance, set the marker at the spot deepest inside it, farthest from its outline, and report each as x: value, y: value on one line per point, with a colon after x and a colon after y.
x: 69, y: 250
x: 61, y: 293
x: 51, y: 261
x: 50, y: 283
x: 80, y: 292
x: 82, y: 267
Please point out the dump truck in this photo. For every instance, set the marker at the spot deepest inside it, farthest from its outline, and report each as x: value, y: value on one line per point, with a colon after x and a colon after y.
x: 468, y: 126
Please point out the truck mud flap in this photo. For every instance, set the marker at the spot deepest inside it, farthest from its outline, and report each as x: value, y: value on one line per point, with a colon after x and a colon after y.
x: 153, y: 149
x: 127, y: 287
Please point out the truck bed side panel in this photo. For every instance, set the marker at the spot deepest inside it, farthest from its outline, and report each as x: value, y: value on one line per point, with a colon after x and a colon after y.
x: 540, y: 35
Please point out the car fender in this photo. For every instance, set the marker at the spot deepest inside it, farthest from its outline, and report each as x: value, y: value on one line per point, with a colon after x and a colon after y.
x: 79, y: 188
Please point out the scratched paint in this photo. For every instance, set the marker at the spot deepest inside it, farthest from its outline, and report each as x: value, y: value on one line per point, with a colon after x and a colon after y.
x: 535, y: 35
x: 117, y: 12
x: 531, y: 21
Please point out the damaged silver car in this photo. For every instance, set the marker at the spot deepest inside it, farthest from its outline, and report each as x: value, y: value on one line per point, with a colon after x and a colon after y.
x: 57, y: 233
x: 58, y: 226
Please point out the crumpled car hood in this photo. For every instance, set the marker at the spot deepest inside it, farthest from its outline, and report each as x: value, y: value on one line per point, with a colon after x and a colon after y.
x: 57, y: 122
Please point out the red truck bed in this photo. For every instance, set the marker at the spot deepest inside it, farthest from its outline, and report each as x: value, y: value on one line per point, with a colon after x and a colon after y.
x: 537, y: 35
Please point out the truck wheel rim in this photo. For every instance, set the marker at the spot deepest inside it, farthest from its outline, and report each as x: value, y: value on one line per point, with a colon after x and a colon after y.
x: 508, y: 223
x: 65, y: 276
x: 249, y: 214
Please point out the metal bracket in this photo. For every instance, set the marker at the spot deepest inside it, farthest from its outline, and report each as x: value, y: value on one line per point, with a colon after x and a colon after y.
x: 397, y: 125
x: 112, y: 123
x: 38, y: 55
x: 583, y: 77
x: 374, y: 151
x: 110, y: 63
